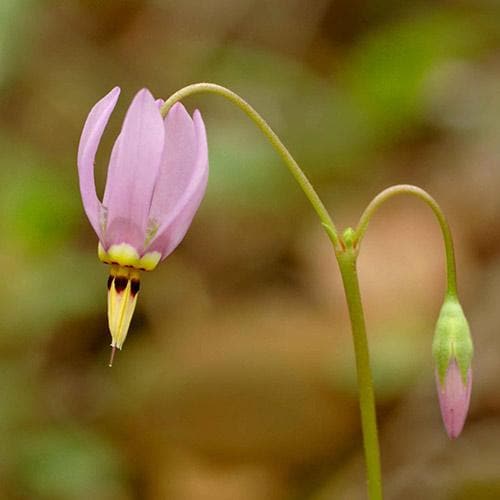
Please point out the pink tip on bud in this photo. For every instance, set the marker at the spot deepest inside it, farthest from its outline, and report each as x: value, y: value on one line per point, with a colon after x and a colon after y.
x: 454, y: 398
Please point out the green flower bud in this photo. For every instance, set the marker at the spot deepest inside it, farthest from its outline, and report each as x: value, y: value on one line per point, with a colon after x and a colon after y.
x: 452, y: 350
x: 452, y: 339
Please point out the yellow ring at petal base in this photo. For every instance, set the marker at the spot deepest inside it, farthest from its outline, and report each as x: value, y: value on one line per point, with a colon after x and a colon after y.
x: 126, y: 255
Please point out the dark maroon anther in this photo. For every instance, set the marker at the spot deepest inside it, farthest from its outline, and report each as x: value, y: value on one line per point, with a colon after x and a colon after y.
x: 120, y: 283
x: 135, y: 286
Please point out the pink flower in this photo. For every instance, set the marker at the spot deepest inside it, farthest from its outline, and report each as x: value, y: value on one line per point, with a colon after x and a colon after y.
x: 454, y: 398
x: 157, y: 176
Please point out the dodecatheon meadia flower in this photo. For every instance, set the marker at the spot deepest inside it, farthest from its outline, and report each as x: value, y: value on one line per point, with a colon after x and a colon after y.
x: 453, y: 350
x: 157, y: 176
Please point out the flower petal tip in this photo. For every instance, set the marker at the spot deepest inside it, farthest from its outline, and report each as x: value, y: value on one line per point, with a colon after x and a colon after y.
x: 143, y: 99
x: 177, y: 111
x: 145, y: 93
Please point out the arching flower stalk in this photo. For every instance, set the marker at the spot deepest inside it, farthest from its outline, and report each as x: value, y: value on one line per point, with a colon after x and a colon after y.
x: 157, y: 176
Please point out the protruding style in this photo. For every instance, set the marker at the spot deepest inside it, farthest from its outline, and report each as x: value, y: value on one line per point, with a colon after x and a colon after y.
x: 157, y: 177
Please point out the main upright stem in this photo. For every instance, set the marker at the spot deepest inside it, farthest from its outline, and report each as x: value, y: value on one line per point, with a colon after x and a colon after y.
x: 346, y: 254
x: 347, y: 260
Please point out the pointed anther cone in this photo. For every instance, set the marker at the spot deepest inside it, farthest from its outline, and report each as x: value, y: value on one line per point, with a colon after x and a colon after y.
x: 454, y: 398
x: 123, y: 289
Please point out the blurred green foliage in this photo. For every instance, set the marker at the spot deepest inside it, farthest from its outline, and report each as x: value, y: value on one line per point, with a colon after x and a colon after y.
x: 387, y: 70
x: 41, y: 208
x: 64, y: 463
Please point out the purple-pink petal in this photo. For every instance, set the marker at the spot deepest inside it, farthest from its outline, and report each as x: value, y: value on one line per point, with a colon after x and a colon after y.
x: 182, y: 181
x: 92, y: 132
x: 178, y: 162
x: 133, y: 172
x: 454, y: 398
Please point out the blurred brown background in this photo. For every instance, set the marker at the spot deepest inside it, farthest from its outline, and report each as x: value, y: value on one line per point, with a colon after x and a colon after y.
x: 237, y: 381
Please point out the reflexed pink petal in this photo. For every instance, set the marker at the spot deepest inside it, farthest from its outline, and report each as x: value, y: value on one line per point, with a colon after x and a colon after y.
x: 111, y: 171
x: 133, y: 171
x: 89, y: 141
x: 454, y: 399
x: 178, y: 162
x: 183, y: 180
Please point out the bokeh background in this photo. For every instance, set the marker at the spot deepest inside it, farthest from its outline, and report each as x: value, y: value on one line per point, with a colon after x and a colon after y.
x: 237, y: 380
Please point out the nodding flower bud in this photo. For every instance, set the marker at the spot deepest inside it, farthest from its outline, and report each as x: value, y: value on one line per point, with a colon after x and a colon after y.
x: 452, y: 350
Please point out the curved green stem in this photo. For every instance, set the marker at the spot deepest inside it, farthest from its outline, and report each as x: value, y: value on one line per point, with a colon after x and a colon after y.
x: 292, y: 165
x: 386, y: 194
